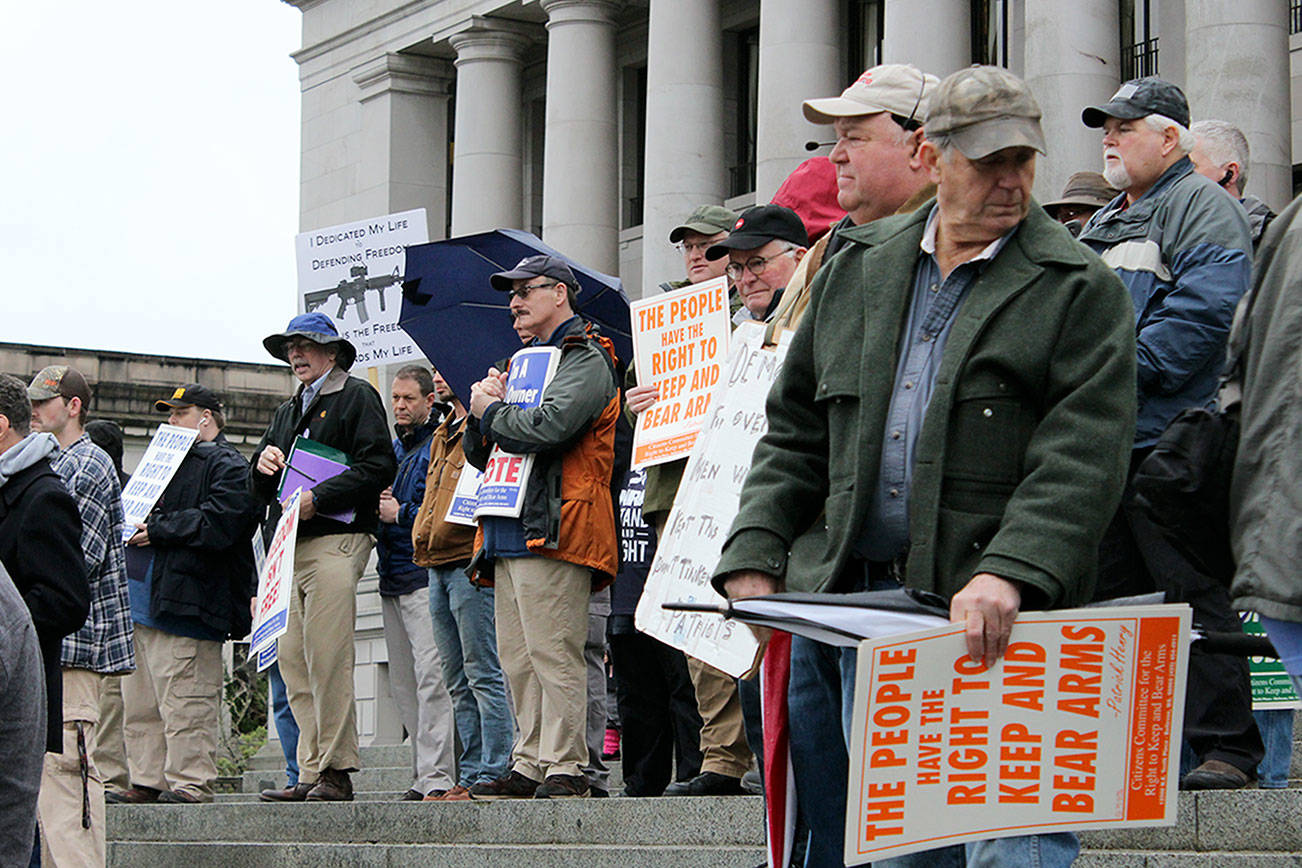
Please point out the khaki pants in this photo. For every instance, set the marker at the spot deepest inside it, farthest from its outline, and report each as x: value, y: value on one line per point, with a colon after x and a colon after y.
x: 316, y: 653
x: 110, y: 748
x: 542, y: 624
x: 171, y: 705
x: 416, y: 685
x: 723, y: 732
x: 65, y: 843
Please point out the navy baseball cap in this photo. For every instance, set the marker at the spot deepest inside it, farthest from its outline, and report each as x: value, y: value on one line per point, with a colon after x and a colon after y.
x: 1138, y: 98
x: 541, y: 265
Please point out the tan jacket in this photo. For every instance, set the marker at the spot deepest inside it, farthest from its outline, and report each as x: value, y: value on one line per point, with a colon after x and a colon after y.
x: 437, y: 542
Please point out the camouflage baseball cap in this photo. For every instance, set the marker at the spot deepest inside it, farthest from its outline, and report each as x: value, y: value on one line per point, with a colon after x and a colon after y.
x: 984, y: 109
x: 898, y: 88
x: 58, y: 381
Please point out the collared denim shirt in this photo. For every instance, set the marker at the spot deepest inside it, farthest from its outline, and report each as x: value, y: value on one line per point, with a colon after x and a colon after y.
x: 932, y: 308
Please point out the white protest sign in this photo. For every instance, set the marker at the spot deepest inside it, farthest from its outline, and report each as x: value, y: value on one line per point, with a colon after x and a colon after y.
x: 506, y: 475
x: 165, y: 453
x: 353, y: 273
x: 703, y: 511
x: 1077, y: 727
x: 276, y: 580
x: 466, y: 497
x: 268, y: 655
x: 680, y: 341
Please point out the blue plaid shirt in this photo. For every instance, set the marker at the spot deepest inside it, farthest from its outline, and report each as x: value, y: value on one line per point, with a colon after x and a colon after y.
x: 104, y: 642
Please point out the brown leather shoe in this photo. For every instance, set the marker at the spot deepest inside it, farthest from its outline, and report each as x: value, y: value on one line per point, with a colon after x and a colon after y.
x: 137, y: 795
x: 1215, y: 775
x: 296, y: 793
x: 334, y: 786
x: 456, y: 794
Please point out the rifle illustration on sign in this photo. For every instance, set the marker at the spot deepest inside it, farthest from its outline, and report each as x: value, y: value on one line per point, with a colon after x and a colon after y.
x: 353, y: 291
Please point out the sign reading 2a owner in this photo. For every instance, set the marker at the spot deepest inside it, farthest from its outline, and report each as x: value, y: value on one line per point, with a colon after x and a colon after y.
x: 506, y: 474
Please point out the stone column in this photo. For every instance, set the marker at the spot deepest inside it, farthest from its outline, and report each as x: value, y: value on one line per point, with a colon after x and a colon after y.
x: 1068, y: 68
x: 580, y: 153
x: 488, y: 158
x: 684, y: 127
x: 404, y: 124
x: 1237, y: 54
x: 799, y: 59
x: 933, y: 35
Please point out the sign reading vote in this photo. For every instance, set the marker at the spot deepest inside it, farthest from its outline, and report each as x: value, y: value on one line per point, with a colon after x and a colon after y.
x: 276, y: 581
x: 680, y: 341
x: 501, y: 491
x: 1077, y: 726
x: 166, y: 451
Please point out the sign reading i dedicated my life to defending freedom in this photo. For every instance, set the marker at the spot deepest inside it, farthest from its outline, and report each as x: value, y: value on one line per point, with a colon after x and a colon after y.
x: 680, y: 340
x: 1076, y: 727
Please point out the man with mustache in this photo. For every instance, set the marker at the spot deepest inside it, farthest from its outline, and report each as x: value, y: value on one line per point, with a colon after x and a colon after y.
x: 1183, y: 249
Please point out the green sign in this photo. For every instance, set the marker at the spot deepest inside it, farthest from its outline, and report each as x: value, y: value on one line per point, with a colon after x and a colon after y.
x: 1271, y: 686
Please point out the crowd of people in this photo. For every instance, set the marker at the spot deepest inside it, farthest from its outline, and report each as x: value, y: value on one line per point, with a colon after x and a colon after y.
x: 973, y: 384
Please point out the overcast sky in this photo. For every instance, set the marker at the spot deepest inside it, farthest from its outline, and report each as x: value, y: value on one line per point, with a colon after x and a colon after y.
x: 149, y: 169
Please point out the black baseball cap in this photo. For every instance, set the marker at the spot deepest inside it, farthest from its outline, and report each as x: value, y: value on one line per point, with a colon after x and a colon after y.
x: 190, y: 395
x: 758, y: 226
x: 1138, y: 98
x: 541, y: 265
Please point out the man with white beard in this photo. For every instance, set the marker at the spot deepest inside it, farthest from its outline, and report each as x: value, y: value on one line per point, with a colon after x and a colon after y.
x: 1182, y: 248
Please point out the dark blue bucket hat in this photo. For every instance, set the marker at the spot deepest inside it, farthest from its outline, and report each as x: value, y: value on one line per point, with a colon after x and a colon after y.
x: 314, y: 326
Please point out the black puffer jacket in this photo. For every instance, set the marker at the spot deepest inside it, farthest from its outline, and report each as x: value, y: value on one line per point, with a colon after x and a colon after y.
x: 200, y: 534
x: 347, y: 414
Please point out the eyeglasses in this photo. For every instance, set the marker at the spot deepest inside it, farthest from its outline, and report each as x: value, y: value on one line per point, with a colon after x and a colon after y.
x: 696, y: 247
x: 523, y: 292
x: 755, y: 265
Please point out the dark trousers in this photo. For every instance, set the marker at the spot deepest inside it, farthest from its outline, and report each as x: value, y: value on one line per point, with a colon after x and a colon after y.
x: 1135, y: 558
x: 657, y: 708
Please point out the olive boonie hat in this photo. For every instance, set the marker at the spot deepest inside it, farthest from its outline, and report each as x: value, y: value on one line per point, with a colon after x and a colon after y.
x: 190, y: 395
x: 984, y: 109
x: 705, y: 220
x: 541, y: 265
x: 1138, y: 98
x: 1084, y: 188
x: 758, y: 226
x: 314, y: 326
x: 898, y: 88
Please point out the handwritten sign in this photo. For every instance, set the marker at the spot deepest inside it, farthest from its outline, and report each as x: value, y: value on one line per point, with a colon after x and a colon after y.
x: 1076, y: 727
x: 353, y: 274
x: 164, y: 455
x: 706, y: 504
x: 501, y: 491
x: 680, y: 341
x: 276, y: 581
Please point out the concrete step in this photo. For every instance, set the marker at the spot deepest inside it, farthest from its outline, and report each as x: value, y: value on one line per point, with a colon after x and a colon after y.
x: 270, y: 758
x: 244, y: 855
x: 684, y: 821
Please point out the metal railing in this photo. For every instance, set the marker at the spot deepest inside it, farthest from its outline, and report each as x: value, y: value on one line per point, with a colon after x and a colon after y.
x: 1139, y: 59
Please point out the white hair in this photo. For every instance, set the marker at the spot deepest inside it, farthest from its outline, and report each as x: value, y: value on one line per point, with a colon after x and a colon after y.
x: 1224, y: 143
x: 1161, y: 122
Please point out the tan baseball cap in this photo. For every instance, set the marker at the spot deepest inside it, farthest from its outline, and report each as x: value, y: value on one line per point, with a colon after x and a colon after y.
x: 898, y: 88
x: 984, y: 109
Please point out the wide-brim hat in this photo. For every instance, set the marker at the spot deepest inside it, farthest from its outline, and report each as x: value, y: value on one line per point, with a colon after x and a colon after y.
x: 1084, y: 188
x: 316, y: 327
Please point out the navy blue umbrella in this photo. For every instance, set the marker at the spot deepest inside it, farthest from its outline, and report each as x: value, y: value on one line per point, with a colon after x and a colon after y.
x: 463, y: 325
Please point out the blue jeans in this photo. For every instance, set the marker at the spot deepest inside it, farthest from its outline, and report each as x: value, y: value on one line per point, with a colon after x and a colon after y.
x: 820, y: 699
x: 465, y: 631
x: 286, y: 726
x: 1276, y: 725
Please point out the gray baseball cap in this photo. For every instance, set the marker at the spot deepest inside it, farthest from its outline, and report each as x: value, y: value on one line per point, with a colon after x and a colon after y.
x: 984, y: 109
x: 1139, y: 98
